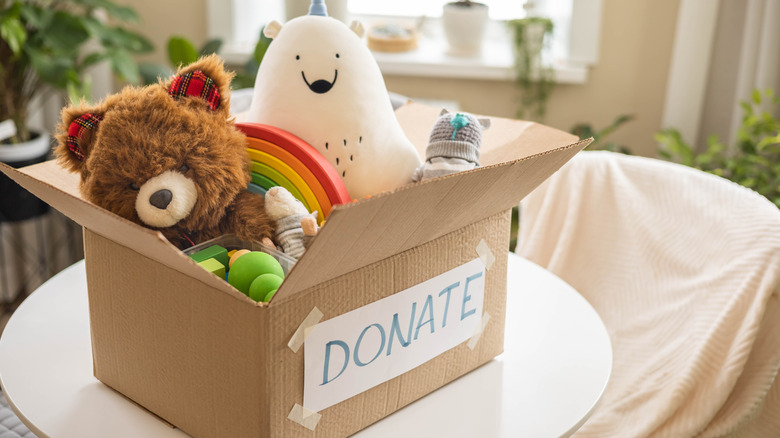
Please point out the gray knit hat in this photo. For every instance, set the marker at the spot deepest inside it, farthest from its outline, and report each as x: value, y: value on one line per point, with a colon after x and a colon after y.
x: 456, y: 135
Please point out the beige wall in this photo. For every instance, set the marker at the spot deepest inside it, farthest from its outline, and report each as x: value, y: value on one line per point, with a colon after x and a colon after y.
x: 630, y: 78
x: 162, y: 19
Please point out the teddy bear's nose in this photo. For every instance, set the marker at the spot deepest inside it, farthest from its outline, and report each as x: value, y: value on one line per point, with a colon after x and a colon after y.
x: 161, y: 198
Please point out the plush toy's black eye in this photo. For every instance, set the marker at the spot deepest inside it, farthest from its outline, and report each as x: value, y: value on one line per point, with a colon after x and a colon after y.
x: 184, y: 168
x: 337, y: 55
x: 297, y: 57
x: 134, y: 186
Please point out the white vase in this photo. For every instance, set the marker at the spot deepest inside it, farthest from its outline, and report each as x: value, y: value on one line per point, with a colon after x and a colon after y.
x: 464, y: 28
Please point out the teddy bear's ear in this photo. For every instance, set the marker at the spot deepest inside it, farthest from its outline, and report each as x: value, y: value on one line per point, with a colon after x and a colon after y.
x: 77, y: 135
x: 204, y: 79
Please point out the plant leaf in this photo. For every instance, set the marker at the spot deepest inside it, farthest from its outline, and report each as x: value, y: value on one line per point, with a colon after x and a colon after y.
x: 78, y: 91
x: 33, y: 14
x: 181, y: 51
x: 50, y: 69
x: 242, y: 80
x: 12, y: 32
x: 151, y: 72
x: 211, y: 46
x: 123, y: 65
x: 122, y: 13
x: 65, y: 33
x: 583, y: 131
x: 116, y: 37
x: 92, y: 59
x: 261, y: 47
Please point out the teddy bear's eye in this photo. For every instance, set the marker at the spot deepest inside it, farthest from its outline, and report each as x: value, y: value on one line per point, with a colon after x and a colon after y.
x: 184, y: 168
x: 134, y: 186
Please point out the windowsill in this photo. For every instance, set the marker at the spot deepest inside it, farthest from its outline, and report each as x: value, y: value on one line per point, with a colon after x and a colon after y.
x: 430, y: 59
x: 495, y: 62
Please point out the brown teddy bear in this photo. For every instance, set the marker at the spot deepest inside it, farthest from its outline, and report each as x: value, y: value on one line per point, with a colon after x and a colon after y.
x: 166, y: 156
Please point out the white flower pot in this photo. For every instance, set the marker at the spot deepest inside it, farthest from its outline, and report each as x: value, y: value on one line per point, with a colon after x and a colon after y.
x: 464, y: 28
x: 35, y: 148
x: 16, y: 203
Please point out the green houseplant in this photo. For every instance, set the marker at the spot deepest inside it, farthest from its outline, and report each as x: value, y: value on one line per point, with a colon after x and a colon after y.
x: 586, y: 130
x: 753, y: 161
x: 182, y: 51
x: 49, y: 44
x: 535, y: 80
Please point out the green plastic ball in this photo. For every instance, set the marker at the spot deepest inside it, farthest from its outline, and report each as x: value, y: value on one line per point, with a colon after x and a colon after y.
x: 263, y: 285
x: 249, y: 266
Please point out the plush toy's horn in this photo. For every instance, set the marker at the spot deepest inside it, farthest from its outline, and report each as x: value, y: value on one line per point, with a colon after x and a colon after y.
x: 76, y: 132
x: 196, y: 83
x: 318, y: 8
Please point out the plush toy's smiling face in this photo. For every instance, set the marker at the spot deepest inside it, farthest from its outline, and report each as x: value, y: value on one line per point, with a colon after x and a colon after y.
x: 319, y: 86
x: 314, y: 58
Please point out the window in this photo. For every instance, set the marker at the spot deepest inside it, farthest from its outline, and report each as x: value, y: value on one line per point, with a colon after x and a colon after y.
x: 498, y: 9
x: 573, y: 49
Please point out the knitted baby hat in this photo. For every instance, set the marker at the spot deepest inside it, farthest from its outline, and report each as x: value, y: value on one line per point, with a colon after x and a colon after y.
x: 457, y: 135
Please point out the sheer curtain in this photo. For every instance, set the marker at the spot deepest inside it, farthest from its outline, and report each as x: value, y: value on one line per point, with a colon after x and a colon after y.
x: 723, y: 51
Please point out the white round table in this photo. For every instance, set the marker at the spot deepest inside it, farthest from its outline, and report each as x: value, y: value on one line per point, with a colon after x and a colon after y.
x: 554, y: 369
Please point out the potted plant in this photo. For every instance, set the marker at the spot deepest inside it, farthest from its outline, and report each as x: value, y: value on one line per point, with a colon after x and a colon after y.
x: 753, y: 161
x: 464, y: 26
x: 534, y: 79
x: 48, y: 45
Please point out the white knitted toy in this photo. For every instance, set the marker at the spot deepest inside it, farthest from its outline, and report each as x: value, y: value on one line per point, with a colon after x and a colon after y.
x: 295, y: 226
x: 319, y: 81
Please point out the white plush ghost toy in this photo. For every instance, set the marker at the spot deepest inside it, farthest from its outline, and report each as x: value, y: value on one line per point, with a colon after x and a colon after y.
x: 319, y: 82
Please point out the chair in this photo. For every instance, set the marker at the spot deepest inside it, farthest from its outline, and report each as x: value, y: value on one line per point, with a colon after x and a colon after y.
x: 684, y: 269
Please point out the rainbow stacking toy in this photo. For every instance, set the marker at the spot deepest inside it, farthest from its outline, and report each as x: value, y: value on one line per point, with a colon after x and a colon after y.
x: 282, y: 159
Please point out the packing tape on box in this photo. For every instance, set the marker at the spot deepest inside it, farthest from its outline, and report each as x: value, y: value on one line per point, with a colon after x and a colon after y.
x: 480, y: 328
x: 304, y: 417
x: 485, y: 254
x: 304, y: 329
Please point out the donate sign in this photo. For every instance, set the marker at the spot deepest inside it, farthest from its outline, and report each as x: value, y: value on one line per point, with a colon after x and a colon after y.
x: 358, y: 350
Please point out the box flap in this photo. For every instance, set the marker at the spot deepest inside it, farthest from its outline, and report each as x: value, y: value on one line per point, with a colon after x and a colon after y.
x: 517, y: 156
x: 59, y: 188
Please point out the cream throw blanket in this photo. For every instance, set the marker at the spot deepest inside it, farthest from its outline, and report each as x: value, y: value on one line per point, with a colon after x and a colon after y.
x: 684, y: 269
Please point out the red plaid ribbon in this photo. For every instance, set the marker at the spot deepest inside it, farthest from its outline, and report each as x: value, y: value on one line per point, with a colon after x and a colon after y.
x: 76, y: 131
x: 196, y: 83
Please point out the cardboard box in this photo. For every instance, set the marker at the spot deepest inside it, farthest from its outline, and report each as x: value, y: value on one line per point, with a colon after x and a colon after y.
x: 188, y: 347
